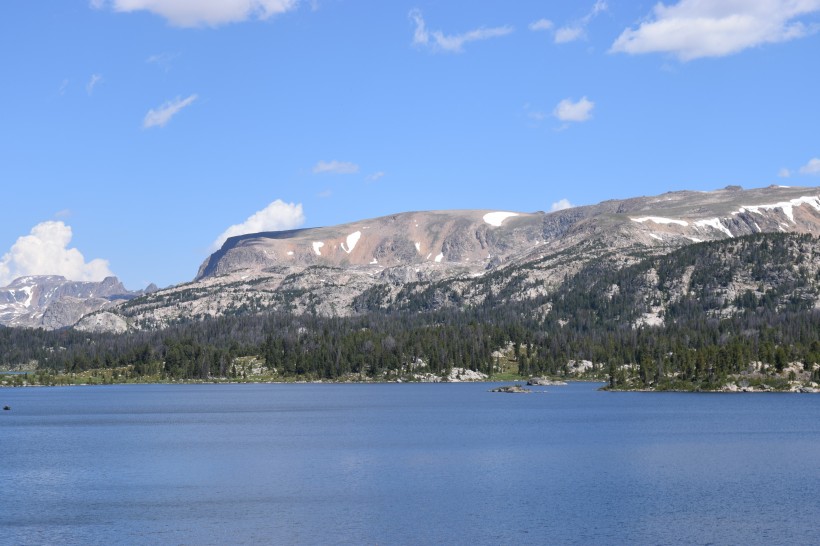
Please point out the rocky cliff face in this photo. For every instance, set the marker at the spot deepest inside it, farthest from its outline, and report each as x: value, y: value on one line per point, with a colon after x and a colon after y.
x: 459, y: 257
x: 480, y: 240
x: 52, y: 302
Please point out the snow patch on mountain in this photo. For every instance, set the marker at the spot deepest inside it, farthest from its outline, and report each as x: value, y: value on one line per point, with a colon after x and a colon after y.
x: 439, y: 257
x: 714, y: 223
x: 497, y: 218
x: 317, y: 245
x: 352, y: 239
x: 786, y: 206
x: 660, y: 220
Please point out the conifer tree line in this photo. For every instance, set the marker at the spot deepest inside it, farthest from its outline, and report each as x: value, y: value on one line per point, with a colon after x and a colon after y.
x: 708, y: 332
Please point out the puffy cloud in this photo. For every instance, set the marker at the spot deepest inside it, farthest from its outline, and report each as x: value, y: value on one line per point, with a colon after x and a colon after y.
x: 376, y: 176
x: 45, y: 252
x: 194, y: 13
x: 162, y: 115
x: 812, y: 167
x: 541, y: 24
x: 453, y: 43
x: 567, y: 110
x: 335, y: 167
x: 277, y: 216
x: 92, y: 83
x: 784, y: 173
x: 692, y: 29
x: 561, y: 205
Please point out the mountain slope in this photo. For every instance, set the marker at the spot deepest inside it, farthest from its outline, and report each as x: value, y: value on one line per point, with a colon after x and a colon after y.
x: 53, y: 302
x: 732, y: 314
x: 461, y: 257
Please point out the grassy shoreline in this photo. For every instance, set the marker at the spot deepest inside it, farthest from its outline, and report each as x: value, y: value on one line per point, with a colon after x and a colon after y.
x: 126, y: 376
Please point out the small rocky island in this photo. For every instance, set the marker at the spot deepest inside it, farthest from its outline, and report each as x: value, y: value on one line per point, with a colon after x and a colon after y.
x: 515, y: 389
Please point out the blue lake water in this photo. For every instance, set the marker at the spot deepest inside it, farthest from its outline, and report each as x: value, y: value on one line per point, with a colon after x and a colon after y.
x: 405, y: 464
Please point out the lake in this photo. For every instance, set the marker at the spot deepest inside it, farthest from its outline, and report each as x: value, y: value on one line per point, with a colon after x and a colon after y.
x: 405, y: 464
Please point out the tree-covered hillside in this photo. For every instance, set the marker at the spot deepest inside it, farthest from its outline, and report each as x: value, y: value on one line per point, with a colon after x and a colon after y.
x: 740, y: 309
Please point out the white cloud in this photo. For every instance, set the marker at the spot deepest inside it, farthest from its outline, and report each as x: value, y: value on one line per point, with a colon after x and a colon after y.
x: 567, y: 110
x: 577, y: 30
x: 376, y: 176
x: 335, y: 167
x: 812, y: 167
x: 561, y: 205
x: 277, y: 216
x: 599, y: 7
x: 162, y: 115
x: 195, y: 13
x: 568, y: 34
x: 453, y: 43
x: 692, y: 29
x: 325, y: 194
x: 45, y: 252
x: 92, y: 83
x: 541, y: 24
x: 163, y: 60
x: 784, y: 173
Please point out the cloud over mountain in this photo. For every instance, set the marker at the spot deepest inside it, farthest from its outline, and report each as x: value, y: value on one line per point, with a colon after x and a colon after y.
x: 276, y: 216
x: 45, y: 251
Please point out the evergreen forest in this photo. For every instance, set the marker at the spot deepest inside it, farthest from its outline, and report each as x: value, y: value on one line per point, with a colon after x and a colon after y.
x: 720, y: 309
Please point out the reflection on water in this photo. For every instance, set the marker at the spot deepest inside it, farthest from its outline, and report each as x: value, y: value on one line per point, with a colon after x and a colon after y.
x: 405, y: 464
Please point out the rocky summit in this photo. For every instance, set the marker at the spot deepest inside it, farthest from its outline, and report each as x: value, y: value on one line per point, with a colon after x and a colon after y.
x: 435, y: 258
x: 53, y: 302
x: 476, y: 241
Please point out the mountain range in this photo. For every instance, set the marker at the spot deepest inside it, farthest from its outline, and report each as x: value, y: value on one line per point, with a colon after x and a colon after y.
x: 409, y: 260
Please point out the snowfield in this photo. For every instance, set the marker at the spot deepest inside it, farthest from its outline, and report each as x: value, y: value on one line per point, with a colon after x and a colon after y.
x: 497, y: 218
x: 786, y: 206
x: 352, y: 239
x: 714, y: 223
x: 660, y: 220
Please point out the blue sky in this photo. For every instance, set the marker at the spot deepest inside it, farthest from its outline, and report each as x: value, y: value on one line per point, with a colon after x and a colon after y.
x: 136, y: 133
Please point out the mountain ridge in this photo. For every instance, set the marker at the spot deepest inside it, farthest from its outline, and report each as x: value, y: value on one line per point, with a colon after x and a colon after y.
x: 445, y: 257
x: 461, y: 255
